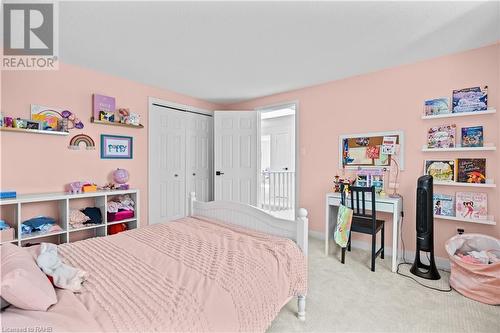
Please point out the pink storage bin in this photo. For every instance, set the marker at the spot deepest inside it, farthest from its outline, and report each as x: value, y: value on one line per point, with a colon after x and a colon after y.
x: 121, y: 215
x: 480, y: 282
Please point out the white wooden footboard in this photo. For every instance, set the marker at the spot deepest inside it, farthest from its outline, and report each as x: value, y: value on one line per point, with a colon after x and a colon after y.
x: 254, y: 218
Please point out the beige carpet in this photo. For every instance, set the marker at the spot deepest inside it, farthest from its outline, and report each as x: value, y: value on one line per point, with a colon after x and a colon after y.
x: 351, y: 298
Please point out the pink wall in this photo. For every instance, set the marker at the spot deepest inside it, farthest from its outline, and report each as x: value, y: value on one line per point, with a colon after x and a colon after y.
x: 43, y: 163
x: 391, y: 99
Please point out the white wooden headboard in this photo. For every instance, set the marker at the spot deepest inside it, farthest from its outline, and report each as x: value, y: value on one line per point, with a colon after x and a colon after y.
x: 254, y: 218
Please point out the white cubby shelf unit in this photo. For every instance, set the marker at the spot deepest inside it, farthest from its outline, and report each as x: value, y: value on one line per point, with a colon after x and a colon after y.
x: 13, y: 208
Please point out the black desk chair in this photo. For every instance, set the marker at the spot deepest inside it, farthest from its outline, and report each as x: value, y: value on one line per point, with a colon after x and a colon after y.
x: 361, y: 221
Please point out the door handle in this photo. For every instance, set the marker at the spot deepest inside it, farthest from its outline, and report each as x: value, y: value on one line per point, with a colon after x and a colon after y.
x: 219, y: 173
x: 194, y: 174
x: 176, y: 175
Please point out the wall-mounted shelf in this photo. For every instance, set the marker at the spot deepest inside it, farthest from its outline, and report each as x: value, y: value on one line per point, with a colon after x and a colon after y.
x: 95, y: 121
x: 485, y: 148
x: 464, y: 184
x: 460, y: 219
x: 461, y: 114
x: 32, y: 131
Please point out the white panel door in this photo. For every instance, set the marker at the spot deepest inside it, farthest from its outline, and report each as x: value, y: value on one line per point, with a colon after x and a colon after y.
x: 168, y: 164
x: 236, y: 156
x: 199, y: 153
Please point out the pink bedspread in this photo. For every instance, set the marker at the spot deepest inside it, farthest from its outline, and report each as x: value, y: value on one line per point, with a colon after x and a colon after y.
x: 190, y: 275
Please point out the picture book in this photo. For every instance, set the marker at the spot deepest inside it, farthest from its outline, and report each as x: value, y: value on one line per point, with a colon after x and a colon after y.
x: 104, y: 108
x: 440, y: 170
x: 470, y: 99
x: 49, y: 117
x: 444, y: 205
x: 442, y: 136
x: 472, y: 205
x: 471, y: 170
x: 472, y: 136
x: 437, y: 106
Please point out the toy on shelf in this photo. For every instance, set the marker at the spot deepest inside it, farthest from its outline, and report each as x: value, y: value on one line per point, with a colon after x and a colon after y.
x: 109, y: 187
x: 121, y: 176
x: 124, y: 115
x: 89, y: 188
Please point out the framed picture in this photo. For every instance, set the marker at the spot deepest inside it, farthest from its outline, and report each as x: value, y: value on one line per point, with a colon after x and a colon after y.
x: 36, y: 125
x: 116, y: 147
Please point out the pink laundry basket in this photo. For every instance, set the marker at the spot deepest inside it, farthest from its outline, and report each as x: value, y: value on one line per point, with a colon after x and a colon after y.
x: 481, y: 282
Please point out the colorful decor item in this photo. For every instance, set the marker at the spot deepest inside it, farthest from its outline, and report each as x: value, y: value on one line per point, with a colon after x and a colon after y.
x: 442, y: 136
x: 472, y: 205
x: 55, y: 119
x: 437, y: 106
x: 120, y: 176
x: 444, y: 205
x: 116, y: 147
x: 470, y: 99
x: 373, y: 152
x: 472, y: 136
x: 471, y: 170
x: 104, y: 108
x: 440, y: 170
x: 75, y: 142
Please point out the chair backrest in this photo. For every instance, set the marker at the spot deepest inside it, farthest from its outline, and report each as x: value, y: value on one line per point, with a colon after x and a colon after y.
x: 357, y: 202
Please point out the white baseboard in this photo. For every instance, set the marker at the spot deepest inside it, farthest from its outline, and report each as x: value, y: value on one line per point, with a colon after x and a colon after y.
x: 441, y: 263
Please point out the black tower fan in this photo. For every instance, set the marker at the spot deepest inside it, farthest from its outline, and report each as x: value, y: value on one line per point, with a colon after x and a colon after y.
x: 425, y: 230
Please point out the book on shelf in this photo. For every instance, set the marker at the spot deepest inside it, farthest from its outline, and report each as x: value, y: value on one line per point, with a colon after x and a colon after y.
x: 444, y: 204
x: 440, y: 170
x: 472, y: 136
x: 471, y: 170
x: 437, y: 106
x: 443, y: 136
x: 472, y: 205
x: 470, y: 99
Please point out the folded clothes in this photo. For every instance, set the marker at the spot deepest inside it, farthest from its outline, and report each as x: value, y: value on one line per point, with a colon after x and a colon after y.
x: 4, y: 225
x: 122, y: 202
x: 94, y: 213
x: 38, y: 221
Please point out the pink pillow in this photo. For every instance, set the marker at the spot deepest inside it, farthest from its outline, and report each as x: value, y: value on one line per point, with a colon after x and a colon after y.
x: 24, y: 285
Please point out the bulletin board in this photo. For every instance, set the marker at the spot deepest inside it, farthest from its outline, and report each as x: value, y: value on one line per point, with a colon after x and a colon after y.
x: 365, y: 150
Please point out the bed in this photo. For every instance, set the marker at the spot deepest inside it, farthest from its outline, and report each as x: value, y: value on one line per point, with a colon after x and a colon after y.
x: 227, y: 267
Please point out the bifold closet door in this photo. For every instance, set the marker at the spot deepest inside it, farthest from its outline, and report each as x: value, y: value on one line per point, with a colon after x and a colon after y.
x: 167, y: 165
x: 199, y: 151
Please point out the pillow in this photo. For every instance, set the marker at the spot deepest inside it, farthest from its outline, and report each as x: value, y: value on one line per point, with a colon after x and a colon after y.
x: 23, y: 284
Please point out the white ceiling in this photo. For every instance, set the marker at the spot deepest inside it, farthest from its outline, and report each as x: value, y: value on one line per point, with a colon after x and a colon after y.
x: 232, y: 51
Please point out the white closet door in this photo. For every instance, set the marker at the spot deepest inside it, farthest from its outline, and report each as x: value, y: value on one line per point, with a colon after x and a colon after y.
x: 168, y: 165
x: 236, y: 156
x: 199, y: 150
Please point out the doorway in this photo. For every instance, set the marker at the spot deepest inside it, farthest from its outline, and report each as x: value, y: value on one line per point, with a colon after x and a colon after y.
x: 278, y: 157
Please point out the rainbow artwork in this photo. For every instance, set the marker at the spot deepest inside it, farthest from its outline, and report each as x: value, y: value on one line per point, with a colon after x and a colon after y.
x: 78, y: 139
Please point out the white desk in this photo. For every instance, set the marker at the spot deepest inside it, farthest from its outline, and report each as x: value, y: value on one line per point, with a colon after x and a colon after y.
x: 382, y: 204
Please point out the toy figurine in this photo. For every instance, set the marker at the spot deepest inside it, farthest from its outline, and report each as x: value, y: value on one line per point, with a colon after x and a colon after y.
x: 336, y: 184
x: 124, y: 115
x: 76, y: 187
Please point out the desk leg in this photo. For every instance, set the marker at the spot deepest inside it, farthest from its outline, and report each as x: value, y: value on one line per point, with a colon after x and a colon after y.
x: 327, y: 227
x: 395, y: 234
